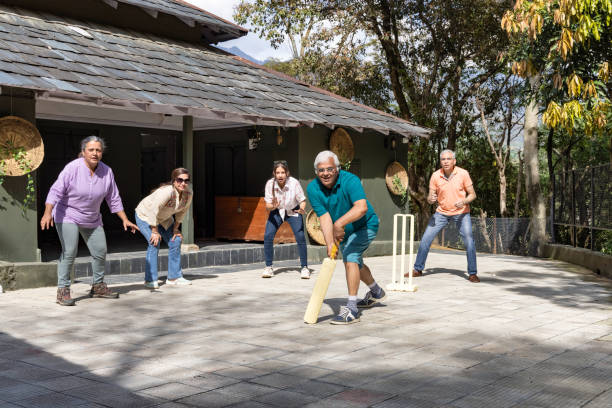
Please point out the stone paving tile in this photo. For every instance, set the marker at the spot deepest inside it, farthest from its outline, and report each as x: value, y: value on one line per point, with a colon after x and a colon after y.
x: 603, y: 400
x: 213, y: 399
x: 22, y: 391
x: 209, y: 381
x: 404, y: 402
x: 534, y: 333
x: 51, y: 401
x: 172, y: 391
x: 286, y: 399
x: 317, y: 388
x: 65, y: 383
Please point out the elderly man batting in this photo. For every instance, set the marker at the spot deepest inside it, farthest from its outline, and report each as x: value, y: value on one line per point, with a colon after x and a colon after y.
x: 347, y: 217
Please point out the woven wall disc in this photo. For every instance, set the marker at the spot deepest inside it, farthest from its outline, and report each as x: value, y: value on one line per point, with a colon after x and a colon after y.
x: 396, y: 169
x: 16, y: 132
x: 341, y: 143
x: 313, y: 226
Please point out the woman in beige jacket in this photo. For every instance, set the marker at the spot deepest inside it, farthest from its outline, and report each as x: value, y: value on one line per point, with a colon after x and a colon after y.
x: 159, y: 216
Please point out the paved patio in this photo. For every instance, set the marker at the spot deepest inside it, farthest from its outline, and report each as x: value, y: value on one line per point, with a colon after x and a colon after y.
x: 534, y: 333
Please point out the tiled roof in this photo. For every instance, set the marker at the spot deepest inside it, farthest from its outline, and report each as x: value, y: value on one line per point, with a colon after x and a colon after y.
x: 188, y: 13
x: 103, y: 65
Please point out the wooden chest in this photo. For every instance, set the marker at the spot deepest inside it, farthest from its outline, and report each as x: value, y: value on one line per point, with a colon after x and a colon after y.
x: 244, y: 218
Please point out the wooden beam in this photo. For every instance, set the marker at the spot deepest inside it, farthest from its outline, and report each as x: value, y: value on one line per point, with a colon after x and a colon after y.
x: 151, y: 12
x: 113, y: 3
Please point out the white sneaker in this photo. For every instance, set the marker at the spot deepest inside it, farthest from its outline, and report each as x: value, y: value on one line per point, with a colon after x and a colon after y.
x: 305, y: 273
x: 152, y: 285
x: 268, y: 272
x: 178, y: 282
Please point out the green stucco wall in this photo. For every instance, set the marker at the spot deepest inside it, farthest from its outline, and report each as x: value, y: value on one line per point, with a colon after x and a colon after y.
x: 18, y: 239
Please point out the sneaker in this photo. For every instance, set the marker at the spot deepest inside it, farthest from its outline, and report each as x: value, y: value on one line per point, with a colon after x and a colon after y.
x: 100, y: 290
x: 63, y: 297
x: 370, y: 300
x: 305, y: 273
x: 474, y: 278
x: 268, y: 272
x: 178, y: 282
x: 152, y: 285
x: 345, y: 317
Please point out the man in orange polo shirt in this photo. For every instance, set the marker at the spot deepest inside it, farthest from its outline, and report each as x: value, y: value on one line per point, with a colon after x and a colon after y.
x: 452, y: 188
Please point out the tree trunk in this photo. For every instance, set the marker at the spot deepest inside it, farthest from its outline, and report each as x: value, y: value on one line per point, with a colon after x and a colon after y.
x: 519, y: 177
x: 503, y: 185
x: 532, y: 176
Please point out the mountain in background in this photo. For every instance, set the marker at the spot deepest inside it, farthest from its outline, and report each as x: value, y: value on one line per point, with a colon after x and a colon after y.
x: 237, y: 51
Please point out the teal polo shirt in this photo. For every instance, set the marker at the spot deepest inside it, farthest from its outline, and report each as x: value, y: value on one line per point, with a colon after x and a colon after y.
x: 339, y: 200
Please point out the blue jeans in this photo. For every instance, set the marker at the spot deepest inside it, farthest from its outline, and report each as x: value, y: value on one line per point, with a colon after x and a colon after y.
x: 273, y: 224
x: 435, y: 225
x: 174, y: 251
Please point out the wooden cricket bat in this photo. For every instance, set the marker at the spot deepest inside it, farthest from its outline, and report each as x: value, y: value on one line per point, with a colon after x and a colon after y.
x: 320, y: 289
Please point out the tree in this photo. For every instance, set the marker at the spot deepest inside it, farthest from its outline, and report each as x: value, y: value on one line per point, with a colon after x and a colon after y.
x: 563, y: 48
x: 434, y: 54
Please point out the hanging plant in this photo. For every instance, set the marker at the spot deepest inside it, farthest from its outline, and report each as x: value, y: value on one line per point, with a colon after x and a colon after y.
x: 18, y: 154
x: 399, y: 188
x: 21, y: 152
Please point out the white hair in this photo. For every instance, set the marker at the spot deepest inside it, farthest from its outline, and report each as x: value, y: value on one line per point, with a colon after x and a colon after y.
x: 447, y: 151
x: 324, y: 156
x: 93, y: 138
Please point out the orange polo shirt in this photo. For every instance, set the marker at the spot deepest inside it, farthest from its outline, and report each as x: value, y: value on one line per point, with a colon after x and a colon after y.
x: 450, y: 190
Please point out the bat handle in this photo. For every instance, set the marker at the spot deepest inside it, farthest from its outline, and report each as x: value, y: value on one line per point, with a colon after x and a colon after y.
x: 334, y: 251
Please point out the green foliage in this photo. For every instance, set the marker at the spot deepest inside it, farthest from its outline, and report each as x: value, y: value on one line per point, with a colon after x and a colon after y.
x: 399, y: 187
x: 18, y: 154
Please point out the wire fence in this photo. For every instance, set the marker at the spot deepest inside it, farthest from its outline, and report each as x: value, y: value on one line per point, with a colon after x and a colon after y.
x: 492, y: 235
x: 581, y: 208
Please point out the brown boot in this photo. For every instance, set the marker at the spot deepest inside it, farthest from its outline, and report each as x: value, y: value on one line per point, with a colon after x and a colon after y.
x: 102, y: 291
x: 415, y: 274
x: 63, y: 297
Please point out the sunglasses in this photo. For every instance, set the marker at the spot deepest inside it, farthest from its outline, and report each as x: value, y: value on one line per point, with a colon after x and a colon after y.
x: 182, y: 180
x: 277, y: 162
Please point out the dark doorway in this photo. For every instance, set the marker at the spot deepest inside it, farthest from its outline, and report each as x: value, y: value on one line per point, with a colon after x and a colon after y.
x: 225, y: 176
x: 158, y: 159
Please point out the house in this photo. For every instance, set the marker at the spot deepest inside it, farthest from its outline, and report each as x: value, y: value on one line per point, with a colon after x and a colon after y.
x: 145, y: 76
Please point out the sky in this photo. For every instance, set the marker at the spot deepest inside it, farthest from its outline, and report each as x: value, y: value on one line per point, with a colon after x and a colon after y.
x: 251, y: 43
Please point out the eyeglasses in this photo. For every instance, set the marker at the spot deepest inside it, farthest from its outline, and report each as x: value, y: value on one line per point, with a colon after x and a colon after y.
x: 277, y: 162
x: 182, y: 180
x: 328, y: 169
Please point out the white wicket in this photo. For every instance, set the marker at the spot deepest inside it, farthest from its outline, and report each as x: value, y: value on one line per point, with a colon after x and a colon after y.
x: 398, y: 283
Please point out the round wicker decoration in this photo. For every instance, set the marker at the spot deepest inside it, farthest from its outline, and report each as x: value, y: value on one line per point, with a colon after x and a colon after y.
x: 15, y: 133
x: 313, y: 226
x: 341, y: 143
x: 396, y: 169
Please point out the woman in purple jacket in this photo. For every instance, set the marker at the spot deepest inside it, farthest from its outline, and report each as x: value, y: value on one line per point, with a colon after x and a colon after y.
x: 73, y: 203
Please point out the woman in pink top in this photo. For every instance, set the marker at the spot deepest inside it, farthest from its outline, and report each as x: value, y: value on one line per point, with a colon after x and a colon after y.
x: 285, y: 201
x: 73, y: 204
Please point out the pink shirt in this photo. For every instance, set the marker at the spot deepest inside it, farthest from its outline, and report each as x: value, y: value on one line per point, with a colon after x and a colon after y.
x: 450, y: 190
x: 77, y: 195
x: 288, y: 197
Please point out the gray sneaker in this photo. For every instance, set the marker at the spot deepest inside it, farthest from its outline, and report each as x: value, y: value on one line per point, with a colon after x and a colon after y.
x: 370, y: 300
x: 345, y: 317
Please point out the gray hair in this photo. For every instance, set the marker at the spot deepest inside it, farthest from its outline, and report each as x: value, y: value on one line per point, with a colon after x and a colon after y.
x: 324, y: 156
x: 93, y: 138
x: 447, y: 151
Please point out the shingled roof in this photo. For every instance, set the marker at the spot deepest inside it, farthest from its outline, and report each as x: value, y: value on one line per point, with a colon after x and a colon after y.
x: 66, y: 60
x: 189, y: 14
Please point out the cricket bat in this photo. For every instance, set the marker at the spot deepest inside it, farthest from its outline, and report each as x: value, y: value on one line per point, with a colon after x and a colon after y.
x: 320, y: 289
